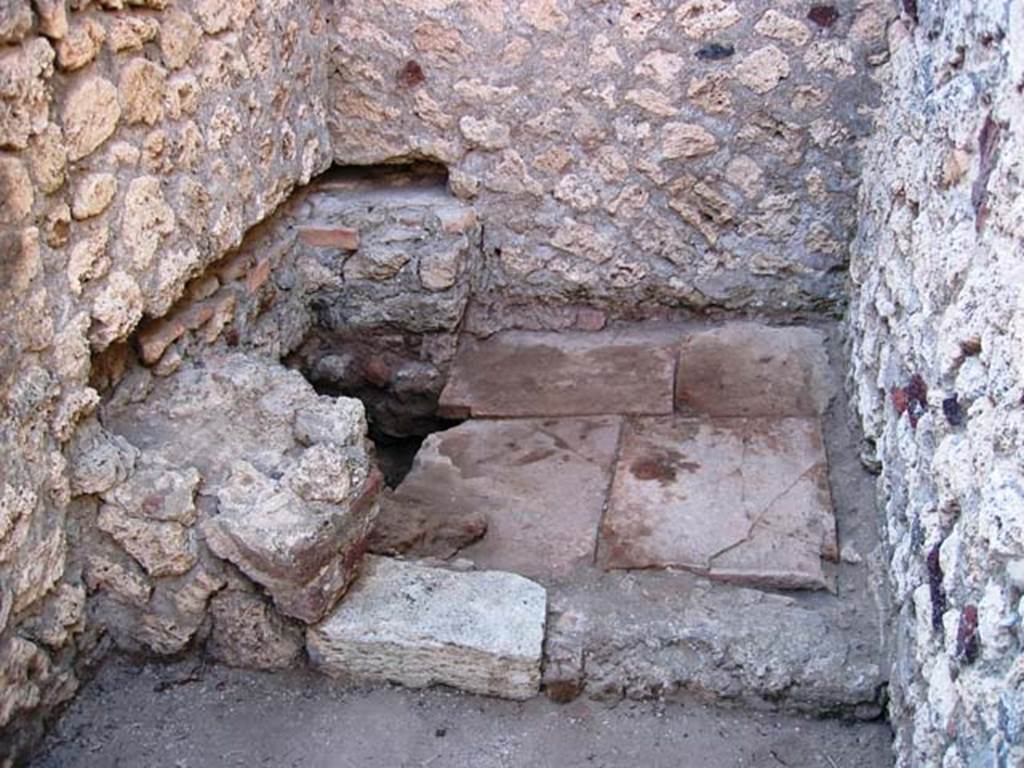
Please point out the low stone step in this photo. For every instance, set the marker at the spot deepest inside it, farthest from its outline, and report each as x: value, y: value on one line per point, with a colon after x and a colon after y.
x: 677, y: 636
x: 520, y: 374
x: 480, y: 631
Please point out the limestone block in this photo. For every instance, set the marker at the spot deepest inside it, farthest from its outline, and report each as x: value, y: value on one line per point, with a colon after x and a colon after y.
x: 439, y: 42
x: 584, y: 241
x: 42, y: 559
x: 16, y: 194
x: 88, y: 258
x: 15, y: 21
x: 177, y: 609
x: 544, y: 15
x: 120, y: 578
x: 99, y: 459
x: 25, y: 96
x: 141, y: 91
x: 47, y: 159
x: 378, y: 263
x: 53, y: 17
x: 655, y: 102
x: 147, y: 218
x: 179, y: 36
x: 130, y: 33
x: 90, y: 116
x: 763, y: 69
x: 60, y: 617
x: 576, y: 192
x: 686, y: 140
x: 116, y: 309
x: 158, y: 493
x: 93, y: 194
x: 215, y: 16
x: 746, y: 174
x: 831, y: 56
x: 323, y: 473
x: 24, y: 668
x: 480, y: 631
x: 701, y: 18
x: 486, y: 133
x: 80, y: 45
x: 782, y: 27
x: 439, y: 268
x: 661, y: 67
x: 337, y: 422
x: 711, y: 93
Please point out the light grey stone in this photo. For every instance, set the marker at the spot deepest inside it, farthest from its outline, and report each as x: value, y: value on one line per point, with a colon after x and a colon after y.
x: 480, y: 631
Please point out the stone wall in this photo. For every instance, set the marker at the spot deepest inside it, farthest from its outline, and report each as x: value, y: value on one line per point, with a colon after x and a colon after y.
x: 937, y: 327
x: 625, y: 154
x: 138, y: 143
x: 696, y: 154
x: 700, y: 154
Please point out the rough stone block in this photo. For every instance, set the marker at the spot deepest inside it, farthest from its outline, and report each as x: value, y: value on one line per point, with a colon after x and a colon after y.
x: 288, y: 494
x: 564, y: 374
x: 737, y: 499
x: 304, y: 553
x: 247, y: 633
x: 480, y: 631
x: 748, y: 369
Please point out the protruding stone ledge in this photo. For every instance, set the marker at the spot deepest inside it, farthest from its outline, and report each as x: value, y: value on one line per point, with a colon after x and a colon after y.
x: 480, y: 631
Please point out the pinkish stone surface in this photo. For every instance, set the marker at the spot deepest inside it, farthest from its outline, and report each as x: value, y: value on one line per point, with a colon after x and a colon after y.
x: 748, y: 369
x: 540, y: 483
x: 561, y: 374
x: 738, y: 499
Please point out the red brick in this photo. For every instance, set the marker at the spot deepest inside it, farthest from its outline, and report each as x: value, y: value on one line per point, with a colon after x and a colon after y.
x: 342, y: 238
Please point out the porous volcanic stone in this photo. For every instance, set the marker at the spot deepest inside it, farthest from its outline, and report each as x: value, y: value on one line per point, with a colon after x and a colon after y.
x: 738, y: 499
x: 287, y: 493
x: 748, y: 369
x: 565, y: 374
x: 480, y: 631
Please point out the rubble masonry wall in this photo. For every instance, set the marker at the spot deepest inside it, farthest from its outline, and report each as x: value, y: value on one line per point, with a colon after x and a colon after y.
x: 937, y: 328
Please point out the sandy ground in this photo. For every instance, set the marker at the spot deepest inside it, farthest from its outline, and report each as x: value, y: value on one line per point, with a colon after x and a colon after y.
x: 187, y: 716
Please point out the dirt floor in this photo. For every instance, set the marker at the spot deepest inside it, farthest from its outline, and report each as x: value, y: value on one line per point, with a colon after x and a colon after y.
x: 186, y: 716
